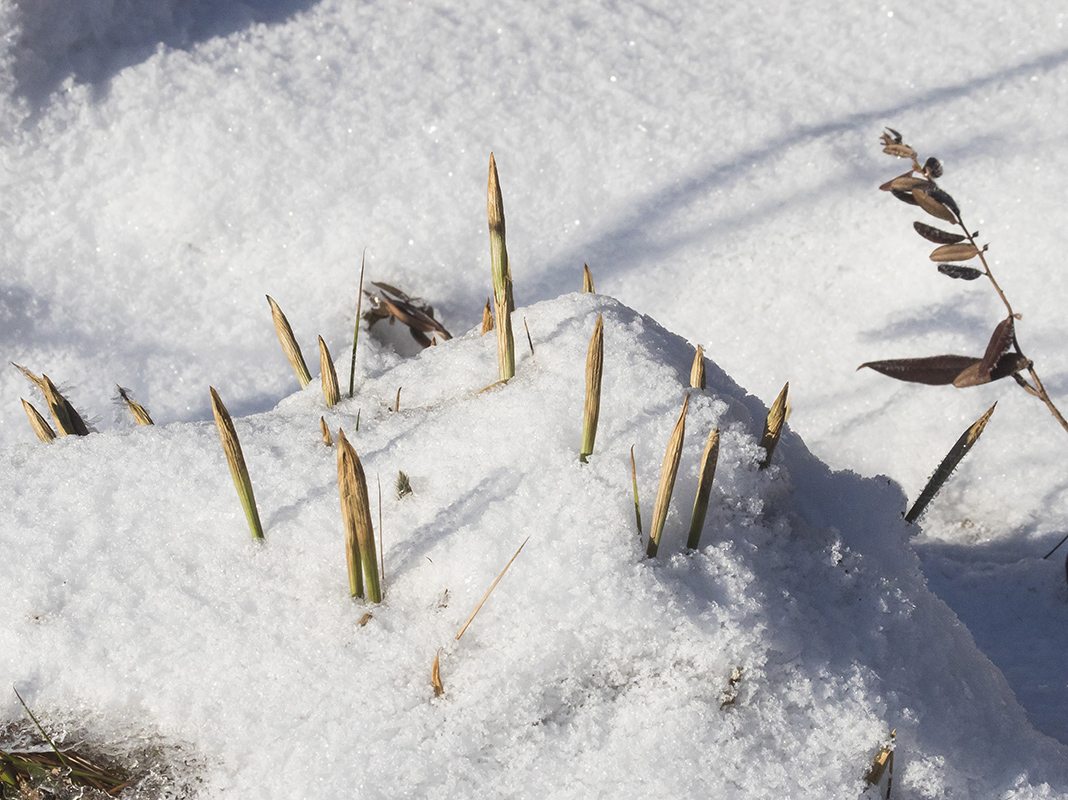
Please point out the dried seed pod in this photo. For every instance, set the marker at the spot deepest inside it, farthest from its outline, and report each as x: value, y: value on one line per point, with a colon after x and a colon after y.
x: 932, y: 370
x: 960, y: 272
x: 925, y: 199
x: 937, y: 235
x: 933, y: 167
x: 899, y: 150
x: 955, y: 252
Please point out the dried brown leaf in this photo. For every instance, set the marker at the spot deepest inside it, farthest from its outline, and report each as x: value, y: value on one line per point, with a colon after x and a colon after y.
x: 487, y: 318
x: 138, y: 410
x: 899, y: 150
x: 932, y: 370
x: 937, y: 235
x: 906, y: 183
x: 955, y: 252
x: 925, y: 199
x: 1001, y: 341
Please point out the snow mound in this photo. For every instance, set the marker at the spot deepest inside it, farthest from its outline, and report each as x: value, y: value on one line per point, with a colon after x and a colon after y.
x: 138, y: 609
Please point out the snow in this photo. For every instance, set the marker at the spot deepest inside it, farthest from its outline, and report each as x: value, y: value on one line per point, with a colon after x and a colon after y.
x: 167, y: 164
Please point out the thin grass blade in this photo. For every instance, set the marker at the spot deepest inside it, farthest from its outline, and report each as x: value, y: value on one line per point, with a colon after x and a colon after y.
x: 489, y: 591
x: 634, y: 482
x: 356, y: 326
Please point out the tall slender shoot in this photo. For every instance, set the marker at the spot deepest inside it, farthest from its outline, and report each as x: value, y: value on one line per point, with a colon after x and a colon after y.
x: 503, y: 303
x: 704, y: 487
x: 359, y: 531
x: 235, y: 459
x: 592, y: 409
x: 356, y: 327
x: 668, y: 472
x: 289, y: 344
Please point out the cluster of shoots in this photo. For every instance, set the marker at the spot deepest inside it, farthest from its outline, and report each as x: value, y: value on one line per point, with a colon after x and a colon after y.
x: 68, y: 422
x: 959, y: 255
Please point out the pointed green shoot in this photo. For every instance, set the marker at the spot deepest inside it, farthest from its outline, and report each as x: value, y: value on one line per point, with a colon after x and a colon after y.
x: 235, y: 459
x: 356, y: 327
x: 359, y: 531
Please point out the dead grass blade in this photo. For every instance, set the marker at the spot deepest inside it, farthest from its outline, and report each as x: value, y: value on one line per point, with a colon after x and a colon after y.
x: 359, y: 531
x: 328, y: 375
x: 697, y: 371
x: 949, y: 463
x: 503, y: 304
x: 668, y: 472
x: 592, y: 409
x: 328, y: 440
x: 489, y: 591
x: 774, y: 425
x: 704, y: 488
x: 289, y: 344
x: 587, y: 280
x: 138, y: 410
x: 487, y: 317
x: 37, y: 422
x: 235, y: 459
x: 530, y: 342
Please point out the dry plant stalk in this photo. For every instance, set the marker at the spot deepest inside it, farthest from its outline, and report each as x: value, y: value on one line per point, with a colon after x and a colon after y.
x: 949, y: 463
x: 138, y: 410
x: 359, y: 531
x: 68, y: 420
x: 668, y: 471
x: 592, y: 410
x: 328, y: 440
x: 1003, y: 357
x: 289, y: 344
x: 487, y: 317
x: 773, y: 425
x: 235, y: 459
x: 356, y: 326
x: 37, y: 422
x: 503, y: 304
x: 328, y: 375
x: 704, y: 488
x: 396, y: 403
x: 587, y: 280
x: 489, y: 591
x: 634, y: 483
x: 697, y: 371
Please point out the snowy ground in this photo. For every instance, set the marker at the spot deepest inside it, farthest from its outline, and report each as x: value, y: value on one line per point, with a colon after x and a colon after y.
x: 166, y: 165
